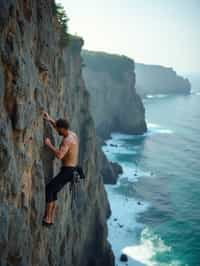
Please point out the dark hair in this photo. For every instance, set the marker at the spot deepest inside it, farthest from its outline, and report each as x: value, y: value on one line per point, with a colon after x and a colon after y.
x: 62, y: 123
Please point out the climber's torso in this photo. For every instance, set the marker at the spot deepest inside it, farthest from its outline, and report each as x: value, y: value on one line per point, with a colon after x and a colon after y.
x: 71, y: 157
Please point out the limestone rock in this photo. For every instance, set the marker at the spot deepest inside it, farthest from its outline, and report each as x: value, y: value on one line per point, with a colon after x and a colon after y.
x: 115, y: 104
x: 123, y: 257
x: 155, y: 79
x: 79, y: 237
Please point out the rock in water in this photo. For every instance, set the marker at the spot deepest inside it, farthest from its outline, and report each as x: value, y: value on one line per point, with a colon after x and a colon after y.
x: 123, y: 257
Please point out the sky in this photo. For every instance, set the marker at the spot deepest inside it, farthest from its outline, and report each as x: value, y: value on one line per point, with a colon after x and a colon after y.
x: 163, y: 32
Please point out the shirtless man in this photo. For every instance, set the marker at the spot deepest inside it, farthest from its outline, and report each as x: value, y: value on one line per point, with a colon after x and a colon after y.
x: 68, y: 153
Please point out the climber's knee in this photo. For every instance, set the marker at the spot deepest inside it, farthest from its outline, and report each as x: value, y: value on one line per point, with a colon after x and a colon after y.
x: 50, y: 194
x: 50, y: 197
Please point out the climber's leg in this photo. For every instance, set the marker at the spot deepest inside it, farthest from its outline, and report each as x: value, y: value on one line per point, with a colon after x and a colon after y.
x: 53, y: 211
x: 52, y: 188
x: 50, y: 212
x: 49, y: 207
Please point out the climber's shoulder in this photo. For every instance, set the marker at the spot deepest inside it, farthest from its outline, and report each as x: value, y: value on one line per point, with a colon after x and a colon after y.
x: 73, y: 135
x: 71, y: 138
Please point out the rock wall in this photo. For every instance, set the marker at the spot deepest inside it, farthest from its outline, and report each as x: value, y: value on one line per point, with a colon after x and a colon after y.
x: 36, y: 74
x: 109, y: 170
x: 154, y: 79
x: 115, y: 105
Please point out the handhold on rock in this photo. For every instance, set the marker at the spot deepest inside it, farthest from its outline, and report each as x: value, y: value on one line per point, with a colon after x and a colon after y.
x: 42, y: 67
x: 123, y: 257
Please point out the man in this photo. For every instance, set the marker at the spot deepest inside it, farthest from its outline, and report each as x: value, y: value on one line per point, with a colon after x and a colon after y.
x: 68, y: 154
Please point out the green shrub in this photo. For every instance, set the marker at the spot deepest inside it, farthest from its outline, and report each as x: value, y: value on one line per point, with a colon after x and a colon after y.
x: 59, y: 12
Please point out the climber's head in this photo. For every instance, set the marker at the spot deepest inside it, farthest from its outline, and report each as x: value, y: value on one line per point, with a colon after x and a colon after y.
x: 62, y: 126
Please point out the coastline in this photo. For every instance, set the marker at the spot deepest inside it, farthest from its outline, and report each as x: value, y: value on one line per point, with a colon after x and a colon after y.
x: 126, y: 231
x: 123, y: 228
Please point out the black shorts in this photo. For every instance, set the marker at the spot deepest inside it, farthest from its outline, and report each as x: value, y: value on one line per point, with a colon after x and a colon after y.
x: 57, y: 183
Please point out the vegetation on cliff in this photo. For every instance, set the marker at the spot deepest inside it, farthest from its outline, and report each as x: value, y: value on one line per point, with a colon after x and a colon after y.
x: 62, y: 18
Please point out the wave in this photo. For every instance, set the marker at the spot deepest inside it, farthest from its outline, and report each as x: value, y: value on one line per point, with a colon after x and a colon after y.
x: 150, y: 245
x: 123, y: 226
x: 122, y: 223
x: 150, y: 96
x: 155, y: 128
x: 117, y: 145
x: 195, y: 92
x: 117, y: 137
x: 132, y: 173
x: 125, y: 208
x: 152, y: 128
x: 111, y: 147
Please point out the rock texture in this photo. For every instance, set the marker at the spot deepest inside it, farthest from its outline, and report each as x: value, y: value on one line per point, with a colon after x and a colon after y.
x: 36, y: 74
x: 115, y: 105
x: 155, y: 79
x: 109, y: 170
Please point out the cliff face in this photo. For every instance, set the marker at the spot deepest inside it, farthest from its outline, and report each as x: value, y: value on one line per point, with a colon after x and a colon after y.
x: 115, y: 105
x: 35, y: 75
x: 154, y: 79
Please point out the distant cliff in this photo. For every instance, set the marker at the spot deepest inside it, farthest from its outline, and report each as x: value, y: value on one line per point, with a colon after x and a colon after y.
x: 115, y: 105
x: 37, y: 73
x: 155, y: 79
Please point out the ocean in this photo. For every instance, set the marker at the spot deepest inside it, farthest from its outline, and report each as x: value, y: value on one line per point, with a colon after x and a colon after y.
x: 156, y: 202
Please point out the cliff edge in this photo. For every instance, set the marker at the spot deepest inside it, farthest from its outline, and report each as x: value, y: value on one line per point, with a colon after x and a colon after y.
x: 115, y: 105
x: 155, y: 79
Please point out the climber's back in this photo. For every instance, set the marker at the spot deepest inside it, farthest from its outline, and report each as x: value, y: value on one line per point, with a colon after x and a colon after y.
x: 71, y: 156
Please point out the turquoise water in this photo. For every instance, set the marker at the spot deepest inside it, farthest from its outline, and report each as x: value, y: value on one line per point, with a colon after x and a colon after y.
x: 162, y: 168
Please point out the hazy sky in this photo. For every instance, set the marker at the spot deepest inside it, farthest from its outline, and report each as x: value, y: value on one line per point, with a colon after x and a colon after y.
x: 165, y: 32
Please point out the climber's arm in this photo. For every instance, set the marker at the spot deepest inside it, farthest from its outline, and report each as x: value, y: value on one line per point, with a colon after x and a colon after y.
x: 59, y: 153
x: 52, y: 122
x: 49, y: 119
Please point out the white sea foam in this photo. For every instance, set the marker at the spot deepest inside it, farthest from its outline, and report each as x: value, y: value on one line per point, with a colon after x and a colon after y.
x: 120, y: 149
x: 150, y: 96
x: 195, y: 92
x: 150, y: 245
x: 122, y: 230
x: 153, y: 125
x: 155, y: 128
x: 132, y: 173
x: 122, y: 224
x: 119, y: 139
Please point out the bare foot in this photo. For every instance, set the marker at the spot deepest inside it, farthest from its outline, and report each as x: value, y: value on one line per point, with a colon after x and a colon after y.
x: 46, y: 220
x: 46, y: 224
